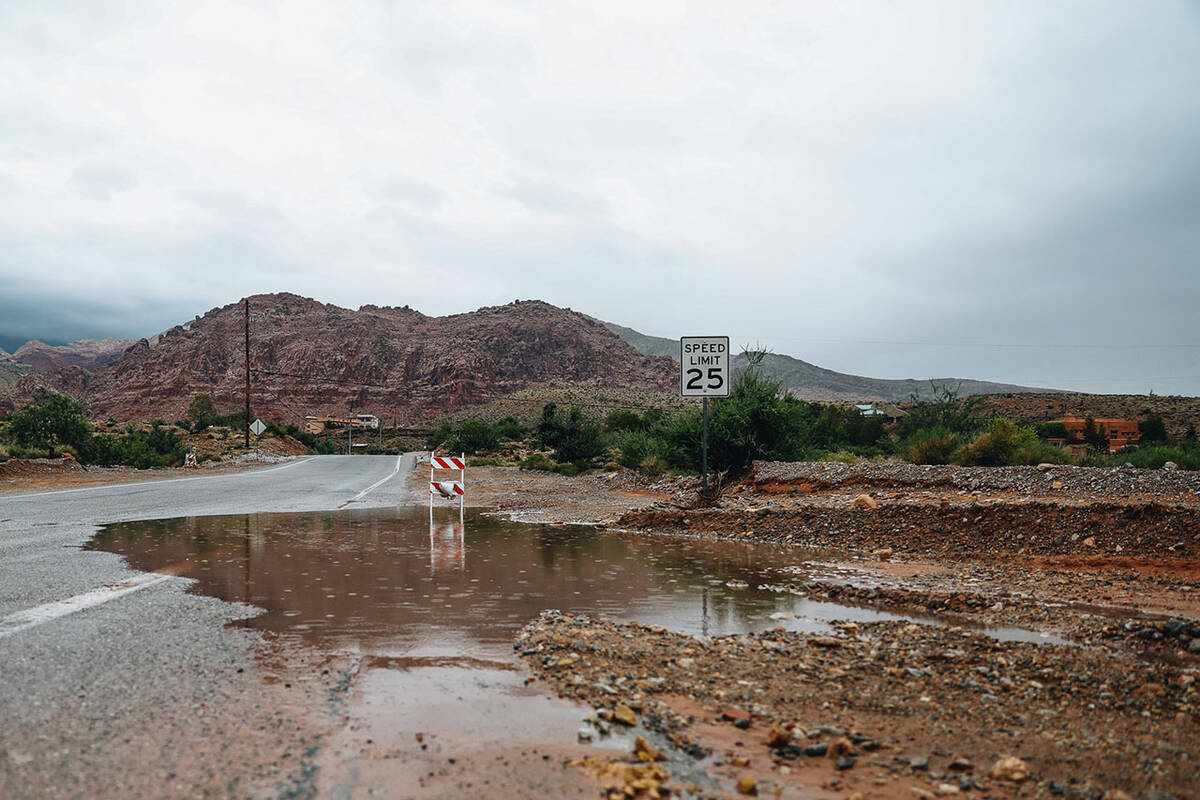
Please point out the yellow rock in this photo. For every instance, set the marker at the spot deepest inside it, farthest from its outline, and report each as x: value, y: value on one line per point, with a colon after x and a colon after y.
x: 624, y: 715
x: 645, y: 752
x: 865, y: 501
x: 747, y: 784
x: 1010, y: 768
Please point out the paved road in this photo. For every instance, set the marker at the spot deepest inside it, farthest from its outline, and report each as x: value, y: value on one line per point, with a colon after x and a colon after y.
x: 92, y: 654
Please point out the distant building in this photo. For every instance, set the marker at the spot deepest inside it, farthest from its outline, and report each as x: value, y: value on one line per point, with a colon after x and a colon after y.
x: 893, y: 413
x: 1120, y: 433
x: 315, y: 425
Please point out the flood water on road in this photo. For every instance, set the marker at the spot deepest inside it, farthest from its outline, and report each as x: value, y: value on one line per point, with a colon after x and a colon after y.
x: 390, y: 582
x: 430, y: 610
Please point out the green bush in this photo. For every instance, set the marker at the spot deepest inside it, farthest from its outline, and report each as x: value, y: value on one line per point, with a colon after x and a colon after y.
x: 624, y: 420
x: 1155, y: 457
x: 474, y: 436
x: 508, y: 429
x: 581, y: 445
x: 1051, y: 430
x: 160, y: 446
x: 538, y: 461
x: 634, y: 447
x: 930, y: 446
x: 440, y: 435
x: 50, y: 420
x: 946, y: 411
x: 652, y: 466
x: 1002, y: 443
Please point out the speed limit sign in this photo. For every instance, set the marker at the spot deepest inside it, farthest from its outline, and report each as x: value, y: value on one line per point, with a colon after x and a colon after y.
x: 704, y: 366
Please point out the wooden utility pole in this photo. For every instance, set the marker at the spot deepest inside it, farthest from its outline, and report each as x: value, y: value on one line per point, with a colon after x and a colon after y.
x: 247, y: 373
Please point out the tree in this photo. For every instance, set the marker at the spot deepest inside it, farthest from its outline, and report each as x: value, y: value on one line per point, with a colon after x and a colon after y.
x: 50, y: 420
x: 201, y: 412
x: 1152, y: 429
x: 1093, y: 437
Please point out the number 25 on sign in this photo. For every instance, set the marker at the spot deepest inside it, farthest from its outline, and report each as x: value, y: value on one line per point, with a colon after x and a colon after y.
x: 704, y: 366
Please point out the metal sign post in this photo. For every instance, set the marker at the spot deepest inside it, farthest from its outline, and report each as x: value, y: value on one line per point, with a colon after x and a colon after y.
x: 704, y: 373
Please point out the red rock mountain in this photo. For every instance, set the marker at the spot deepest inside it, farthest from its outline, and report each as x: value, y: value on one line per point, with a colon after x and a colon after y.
x: 87, y: 353
x: 313, y: 358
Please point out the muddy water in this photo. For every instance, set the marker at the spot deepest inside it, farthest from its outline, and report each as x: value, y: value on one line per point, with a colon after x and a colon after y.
x: 390, y: 582
x: 441, y: 706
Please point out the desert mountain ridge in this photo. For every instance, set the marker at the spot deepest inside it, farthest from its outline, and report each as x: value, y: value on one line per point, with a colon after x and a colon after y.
x: 314, y: 358
x: 810, y: 382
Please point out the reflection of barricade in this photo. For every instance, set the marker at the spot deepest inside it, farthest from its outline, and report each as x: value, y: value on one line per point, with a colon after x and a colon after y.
x: 447, y: 546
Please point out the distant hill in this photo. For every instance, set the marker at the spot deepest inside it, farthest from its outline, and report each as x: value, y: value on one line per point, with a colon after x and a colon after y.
x: 89, y: 354
x: 811, y: 382
x: 314, y: 358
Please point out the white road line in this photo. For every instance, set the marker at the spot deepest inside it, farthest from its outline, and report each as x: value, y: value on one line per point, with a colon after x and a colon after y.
x: 376, y: 484
x: 4, y: 497
x: 23, y: 620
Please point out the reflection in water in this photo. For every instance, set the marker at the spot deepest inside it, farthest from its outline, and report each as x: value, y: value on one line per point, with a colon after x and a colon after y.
x: 387, y: 581
x: 447, y: 546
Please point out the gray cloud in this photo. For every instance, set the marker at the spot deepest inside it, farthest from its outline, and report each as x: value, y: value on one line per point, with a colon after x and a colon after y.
x: 987, y: 189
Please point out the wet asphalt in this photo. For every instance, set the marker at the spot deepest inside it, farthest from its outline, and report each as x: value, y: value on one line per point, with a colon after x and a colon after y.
x: 79, y: 691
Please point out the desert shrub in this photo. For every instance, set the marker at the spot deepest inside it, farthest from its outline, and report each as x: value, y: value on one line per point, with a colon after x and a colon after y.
x: 1051, y: 430
x: 473, y: 436
x: 441, y: 434
x: 572, y: 436
x: 583, y: 444
x: 841, y: 457
x: 511, y: 430
x: 484, y: 461
x: 1002, y: 443
x: 930, y: 446
x: 538, y: 461
x: 652, y: 466
x: 160, y: 446
x: 946, y: 411
x: 634, y: 447
x: 1156, y: 457
x: 624, y: 420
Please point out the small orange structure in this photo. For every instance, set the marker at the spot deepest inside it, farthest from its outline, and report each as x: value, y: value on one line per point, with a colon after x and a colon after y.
x: 1120, y: 433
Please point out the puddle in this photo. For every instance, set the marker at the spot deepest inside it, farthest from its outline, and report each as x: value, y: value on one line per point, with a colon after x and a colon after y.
x: 390, y: 582
x: 432, y: 608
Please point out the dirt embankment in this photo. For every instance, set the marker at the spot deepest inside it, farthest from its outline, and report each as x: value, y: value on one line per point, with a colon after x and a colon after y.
x: 886, y: 709
x: 954, y: 512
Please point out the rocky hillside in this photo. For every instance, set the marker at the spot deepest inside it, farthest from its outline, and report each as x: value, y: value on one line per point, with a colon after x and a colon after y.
x: 810, y: 382
x: 11, y: 371
x: 313, y: 358
x: 89, y: 354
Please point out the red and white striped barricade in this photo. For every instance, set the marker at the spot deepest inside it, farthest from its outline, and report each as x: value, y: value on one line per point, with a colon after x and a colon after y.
x: 451, y: 488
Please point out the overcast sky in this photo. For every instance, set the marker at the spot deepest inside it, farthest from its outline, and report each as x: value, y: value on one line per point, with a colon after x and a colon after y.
x: 1007, y: 190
